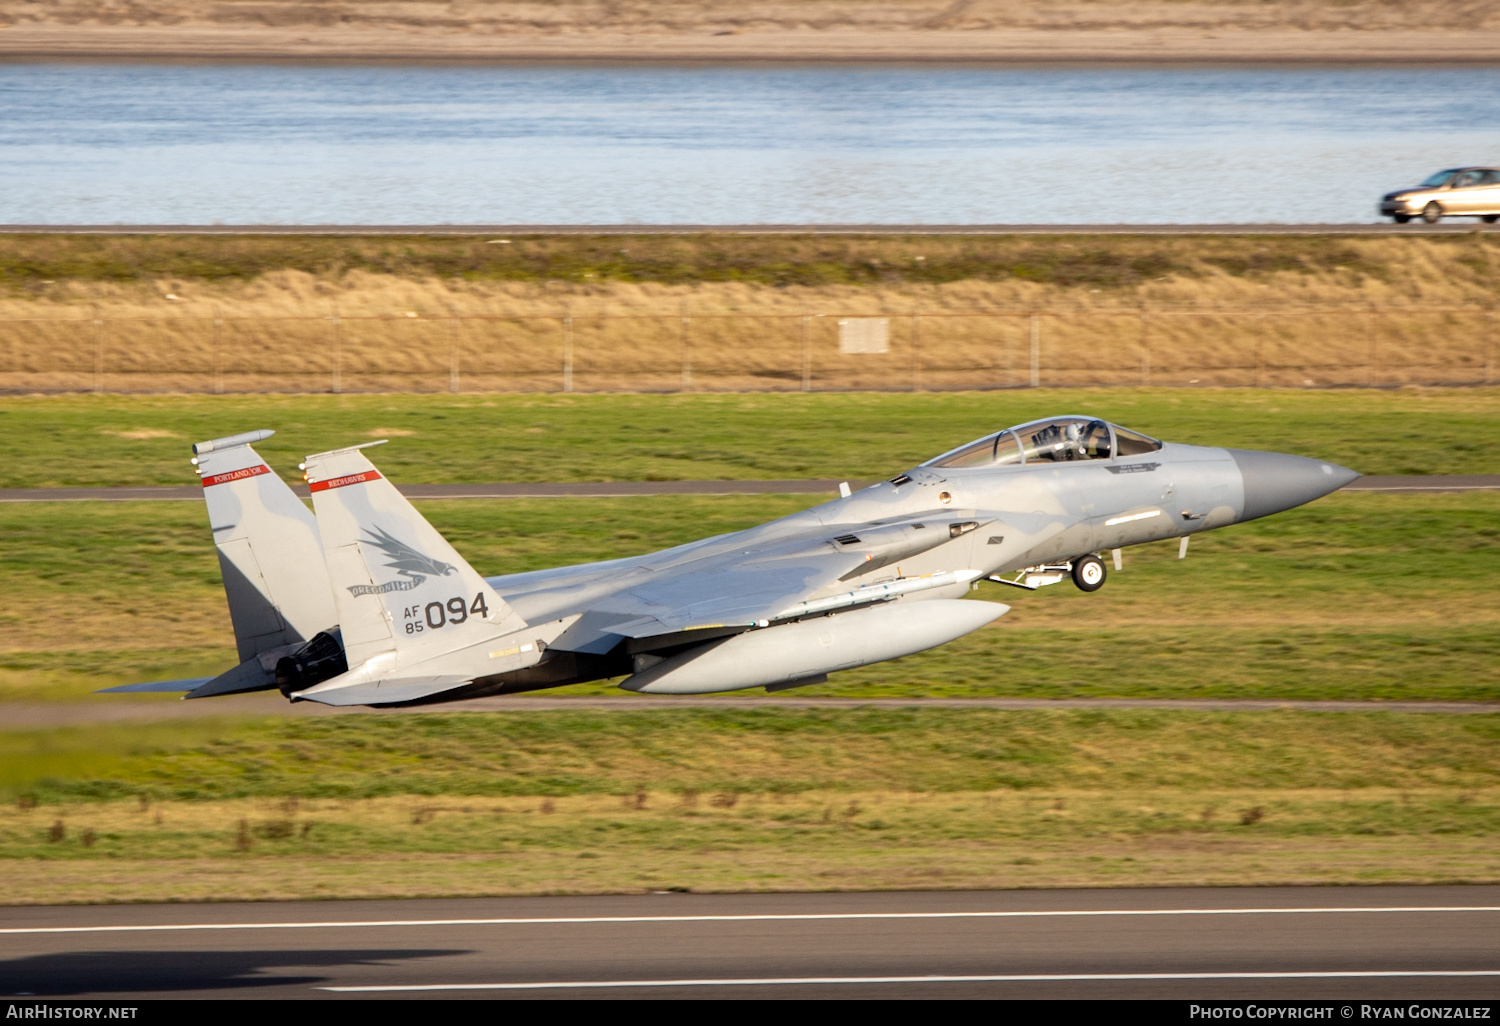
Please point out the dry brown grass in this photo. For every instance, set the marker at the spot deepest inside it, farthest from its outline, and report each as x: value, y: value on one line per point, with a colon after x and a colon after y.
x: 428, y: 847
x: 757, y: 314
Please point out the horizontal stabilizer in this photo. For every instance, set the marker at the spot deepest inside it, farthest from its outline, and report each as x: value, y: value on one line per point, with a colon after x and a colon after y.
x: 251, y: 675
x: 188, y: 684
x: 387, y: 692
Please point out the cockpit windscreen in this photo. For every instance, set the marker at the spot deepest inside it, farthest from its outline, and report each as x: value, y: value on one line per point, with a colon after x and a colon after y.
x: 1055, y: 440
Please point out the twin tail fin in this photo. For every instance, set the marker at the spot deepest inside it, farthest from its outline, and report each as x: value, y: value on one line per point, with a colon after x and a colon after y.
x: 416, y: 618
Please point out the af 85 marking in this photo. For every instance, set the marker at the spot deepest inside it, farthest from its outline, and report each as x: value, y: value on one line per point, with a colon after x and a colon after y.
x: 437, y: 615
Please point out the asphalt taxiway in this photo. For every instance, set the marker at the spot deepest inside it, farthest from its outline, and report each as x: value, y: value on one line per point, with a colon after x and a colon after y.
x: 1305, y: 942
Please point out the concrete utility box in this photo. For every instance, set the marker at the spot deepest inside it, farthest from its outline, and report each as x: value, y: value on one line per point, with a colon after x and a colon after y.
x: 865, y: 335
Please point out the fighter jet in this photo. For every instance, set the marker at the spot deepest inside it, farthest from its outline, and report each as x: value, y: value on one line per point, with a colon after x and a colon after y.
x: 363, y: 602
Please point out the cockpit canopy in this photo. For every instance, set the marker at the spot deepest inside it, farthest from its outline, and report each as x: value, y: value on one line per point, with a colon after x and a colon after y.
x: 1054, y: 440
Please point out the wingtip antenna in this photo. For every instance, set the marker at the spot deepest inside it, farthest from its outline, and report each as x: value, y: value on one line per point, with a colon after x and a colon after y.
x: 344, y: 448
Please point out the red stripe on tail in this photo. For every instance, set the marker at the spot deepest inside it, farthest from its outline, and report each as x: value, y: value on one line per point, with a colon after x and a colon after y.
x: 235, y: 475
x: 340, y: 482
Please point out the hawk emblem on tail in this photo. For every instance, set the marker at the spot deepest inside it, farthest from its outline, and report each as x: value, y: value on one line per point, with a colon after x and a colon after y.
x: 405, y: 560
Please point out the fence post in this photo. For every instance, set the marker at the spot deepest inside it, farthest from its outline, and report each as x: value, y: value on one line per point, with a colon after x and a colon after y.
x: 916, y: 352
x: 687, y: 354
x: 807, y: 357
x: 99, y: 356
x: 218, y: 355
x: 337, y: 356
x: 1036, y: 350
x: 453, y: 355
x: 1010, y: 363
x: 1260, y: 345
x: 568, y: 352
x: 1489, y: 346
x: 1145, y: 351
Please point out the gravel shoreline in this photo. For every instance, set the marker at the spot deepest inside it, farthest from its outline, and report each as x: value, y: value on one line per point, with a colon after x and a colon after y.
x: 1021, y: 46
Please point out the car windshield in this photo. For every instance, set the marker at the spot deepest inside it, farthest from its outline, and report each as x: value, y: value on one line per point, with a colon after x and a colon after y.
x: 1441, y: 178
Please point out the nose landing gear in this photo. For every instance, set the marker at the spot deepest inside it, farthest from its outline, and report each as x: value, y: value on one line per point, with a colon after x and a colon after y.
x: 1087, y: 572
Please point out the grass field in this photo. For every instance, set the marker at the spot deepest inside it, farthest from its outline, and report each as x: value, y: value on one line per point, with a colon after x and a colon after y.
x: 1396, y: 588
x: 52, y: 266
x: 114, y: 440
x: 1356, y: 596
x: 746, y: 800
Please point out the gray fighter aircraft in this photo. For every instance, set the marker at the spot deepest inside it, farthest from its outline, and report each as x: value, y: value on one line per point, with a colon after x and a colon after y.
x: 362, y: 602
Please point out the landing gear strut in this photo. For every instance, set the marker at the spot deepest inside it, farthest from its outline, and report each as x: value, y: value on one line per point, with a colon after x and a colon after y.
x: 1087, y: 572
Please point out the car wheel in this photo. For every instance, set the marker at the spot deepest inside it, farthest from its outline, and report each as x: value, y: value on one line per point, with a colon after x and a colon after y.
x: 1432, y: 213
x: 1401, y: 218
x: 1490, y: 218
x: 1088, y: 573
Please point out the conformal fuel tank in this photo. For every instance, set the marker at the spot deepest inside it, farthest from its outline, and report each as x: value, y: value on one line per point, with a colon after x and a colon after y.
x: 807, y: 648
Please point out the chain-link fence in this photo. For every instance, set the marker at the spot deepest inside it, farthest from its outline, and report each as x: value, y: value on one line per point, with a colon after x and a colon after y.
x: 752, y: 352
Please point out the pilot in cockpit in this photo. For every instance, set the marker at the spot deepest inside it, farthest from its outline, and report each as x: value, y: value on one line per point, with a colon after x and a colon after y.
x: 1067, y: 440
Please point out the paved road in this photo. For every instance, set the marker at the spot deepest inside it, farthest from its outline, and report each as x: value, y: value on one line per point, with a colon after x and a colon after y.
x: 1305, y: 942
x: 1465, y: 226
x: 617, y: 489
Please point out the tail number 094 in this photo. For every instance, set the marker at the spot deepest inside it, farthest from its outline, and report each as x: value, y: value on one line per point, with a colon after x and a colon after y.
x: 437, y: 615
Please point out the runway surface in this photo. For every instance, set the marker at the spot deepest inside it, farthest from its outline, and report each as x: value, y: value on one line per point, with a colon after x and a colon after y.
x: 1305, y: 942
x: 1382, y: 228
x: 621, y: 489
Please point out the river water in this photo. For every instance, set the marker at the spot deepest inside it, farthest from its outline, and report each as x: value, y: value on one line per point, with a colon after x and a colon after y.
x: 139, y: 143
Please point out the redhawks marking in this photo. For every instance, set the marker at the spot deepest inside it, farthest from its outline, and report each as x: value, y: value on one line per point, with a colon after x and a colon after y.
x: 339, y: 482
x: 235, y: 475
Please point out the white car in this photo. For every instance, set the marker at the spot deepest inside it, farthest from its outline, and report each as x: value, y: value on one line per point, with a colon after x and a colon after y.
x: 1456, y: 192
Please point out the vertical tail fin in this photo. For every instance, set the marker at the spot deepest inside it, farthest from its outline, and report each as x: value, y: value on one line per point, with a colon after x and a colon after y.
x: 404, y: 595
x: 269, y: 549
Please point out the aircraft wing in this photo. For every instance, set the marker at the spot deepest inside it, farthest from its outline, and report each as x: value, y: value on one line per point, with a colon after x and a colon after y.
x: 725, y: 593
x: 742, y: 581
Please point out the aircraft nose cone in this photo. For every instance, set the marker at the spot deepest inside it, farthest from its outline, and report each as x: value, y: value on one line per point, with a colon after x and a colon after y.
x: 1275, y: 481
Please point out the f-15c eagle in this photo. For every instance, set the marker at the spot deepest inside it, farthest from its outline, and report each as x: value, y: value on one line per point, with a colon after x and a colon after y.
x: 362, y: 602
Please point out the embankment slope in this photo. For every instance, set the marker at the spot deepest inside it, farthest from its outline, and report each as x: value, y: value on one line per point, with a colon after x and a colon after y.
x: 997, y: 30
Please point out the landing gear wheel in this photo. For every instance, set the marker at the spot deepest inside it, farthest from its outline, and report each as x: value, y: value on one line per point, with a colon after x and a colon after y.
x: 1088, y: 573
x: 1490, y: 218
x: 1432, y: 213
x: 1401, y: 218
